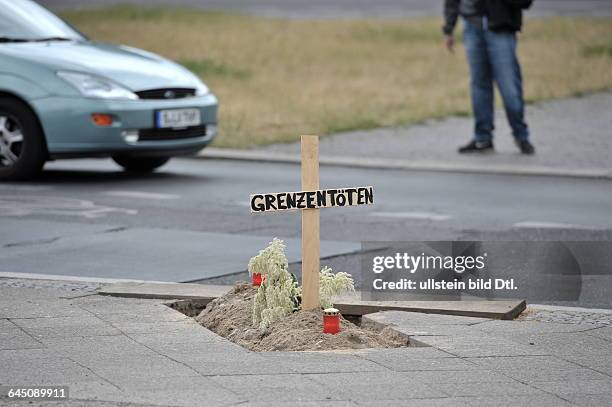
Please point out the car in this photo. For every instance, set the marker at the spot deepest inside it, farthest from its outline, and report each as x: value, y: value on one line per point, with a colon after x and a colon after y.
x: 63, y: 95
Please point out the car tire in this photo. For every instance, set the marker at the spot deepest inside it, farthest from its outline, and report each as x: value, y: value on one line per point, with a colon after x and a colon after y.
x: 23, y: 150
x: 140, y: 164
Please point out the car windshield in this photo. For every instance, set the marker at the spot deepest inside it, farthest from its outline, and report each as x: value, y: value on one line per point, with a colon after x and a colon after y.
x: 25, y: 20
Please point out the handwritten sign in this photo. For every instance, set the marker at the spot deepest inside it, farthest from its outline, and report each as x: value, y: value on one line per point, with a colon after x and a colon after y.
x: 326, y: 198
x: 308, y: 201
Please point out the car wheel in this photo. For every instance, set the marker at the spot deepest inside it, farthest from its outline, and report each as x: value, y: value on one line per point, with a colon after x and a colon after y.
x: 22, y: 145
x: 140, y: 164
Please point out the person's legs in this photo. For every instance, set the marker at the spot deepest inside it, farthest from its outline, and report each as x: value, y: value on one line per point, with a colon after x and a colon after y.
x: 481, y: 81
x: 501, y: 47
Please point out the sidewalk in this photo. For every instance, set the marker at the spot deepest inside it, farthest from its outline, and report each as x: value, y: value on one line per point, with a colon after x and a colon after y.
x: 133, y: 352
x: 573, y: 137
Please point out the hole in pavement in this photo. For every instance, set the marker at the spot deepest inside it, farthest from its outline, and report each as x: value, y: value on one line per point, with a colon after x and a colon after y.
x: 303, y: 335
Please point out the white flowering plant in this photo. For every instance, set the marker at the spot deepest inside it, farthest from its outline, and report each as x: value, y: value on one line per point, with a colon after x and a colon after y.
x: 279, y: 293
x: 331, y: 285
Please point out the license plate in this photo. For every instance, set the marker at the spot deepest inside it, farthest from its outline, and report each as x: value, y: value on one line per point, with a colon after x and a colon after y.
x: 177, y: 118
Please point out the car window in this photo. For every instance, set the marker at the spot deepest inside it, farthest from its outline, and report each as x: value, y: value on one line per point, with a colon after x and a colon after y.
x: 27, y: 20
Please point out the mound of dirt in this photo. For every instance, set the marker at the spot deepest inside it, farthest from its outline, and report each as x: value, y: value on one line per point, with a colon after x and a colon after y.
x: 230, y: 316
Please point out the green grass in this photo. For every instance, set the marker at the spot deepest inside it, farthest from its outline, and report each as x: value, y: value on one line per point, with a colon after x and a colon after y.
x: 598, y: 50
x: 277, y: 79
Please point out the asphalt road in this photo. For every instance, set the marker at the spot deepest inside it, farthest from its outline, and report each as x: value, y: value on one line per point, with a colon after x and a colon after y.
x: 345, y: 8
x: 87, y: 218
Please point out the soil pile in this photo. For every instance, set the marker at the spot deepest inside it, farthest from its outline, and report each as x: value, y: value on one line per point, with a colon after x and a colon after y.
x: 230, y: 316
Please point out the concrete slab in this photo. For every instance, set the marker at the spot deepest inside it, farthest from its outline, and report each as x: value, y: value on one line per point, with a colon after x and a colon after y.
x: 364, y: 386
x: 502, y: 309
x: 274, y: 388
x: 317, y: 362
x: 203, y: 293
x: 152, y: 254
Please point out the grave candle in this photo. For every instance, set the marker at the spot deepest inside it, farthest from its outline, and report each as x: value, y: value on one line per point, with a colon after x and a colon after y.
x: 331, y: 321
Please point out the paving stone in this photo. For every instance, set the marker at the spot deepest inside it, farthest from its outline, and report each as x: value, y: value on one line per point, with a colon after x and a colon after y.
x: 590, y: 400
x: 604, y: 333
x: 421, y: 402
x: 49, y: 371
x: 377, y: 385
x: 517, y: 401
x: 538, y: 368
x: 201, y: 351
x: 51, y: 286
x: 518, y: 362
x: 65, y: 327
x: 402, y: 353
x: 32, y: 308
x: 275, y: 388
x: 212, y: 397
x: 319, y: 403
x: 401, y: 318
x: 437, y: 330
x: 76, y: 403
x: 120, y: 369
x: 480, y: 345
x: 11, y: 337
x: 575, y: 386
x: 226, y: 362
x: 480, y: 377
x: 179, y: 327
x: 600, y: 362
x: 195, y: 335
x: 100, y: 345
x: 141, y: 313
x: 105, y: 307
x: 97, y: 390
x: 565, y: 343
x: 26, y: 355
x: 499, y: 327
x: 398, y: 363
x: 59, y: 322
x: 322, y: 362
x: 490, y: 389
x: 569, y: 317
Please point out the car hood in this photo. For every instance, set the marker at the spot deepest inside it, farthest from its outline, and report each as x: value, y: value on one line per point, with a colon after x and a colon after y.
x: 134, y: 68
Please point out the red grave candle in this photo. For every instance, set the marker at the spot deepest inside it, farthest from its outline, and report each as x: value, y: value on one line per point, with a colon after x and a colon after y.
x: 257, y: 279
x: 331, y: 321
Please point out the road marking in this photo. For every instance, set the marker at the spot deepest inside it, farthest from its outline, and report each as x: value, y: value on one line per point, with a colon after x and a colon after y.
x: 436, y: 217
x: 47, y: 205
x: 142, y: 195
x: 549, y: 225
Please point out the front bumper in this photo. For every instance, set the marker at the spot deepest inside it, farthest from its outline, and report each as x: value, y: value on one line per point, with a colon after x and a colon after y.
x: 70, y: 131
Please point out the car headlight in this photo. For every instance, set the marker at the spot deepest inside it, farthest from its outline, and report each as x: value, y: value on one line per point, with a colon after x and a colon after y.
x: 202, y: 89
x: 96, y: 86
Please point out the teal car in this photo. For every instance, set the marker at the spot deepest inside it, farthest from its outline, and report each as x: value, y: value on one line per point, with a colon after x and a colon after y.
x: 64, y: 96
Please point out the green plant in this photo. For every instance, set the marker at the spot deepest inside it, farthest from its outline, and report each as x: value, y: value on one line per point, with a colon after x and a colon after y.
x: 269, y: 259
x: 331, y: 285
x: 278, y: 295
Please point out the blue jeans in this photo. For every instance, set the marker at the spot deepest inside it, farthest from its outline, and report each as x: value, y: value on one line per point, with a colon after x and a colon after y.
x: 492, y: 58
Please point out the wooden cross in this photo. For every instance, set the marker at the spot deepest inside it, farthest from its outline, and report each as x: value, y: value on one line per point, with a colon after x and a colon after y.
x: 309, y: 200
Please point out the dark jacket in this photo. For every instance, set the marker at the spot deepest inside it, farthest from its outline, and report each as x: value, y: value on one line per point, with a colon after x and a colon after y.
x: 502, y: 15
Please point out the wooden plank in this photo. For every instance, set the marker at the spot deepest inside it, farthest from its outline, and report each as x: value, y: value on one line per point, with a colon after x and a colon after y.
x: 311, y: 239
x: 349, y: 304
